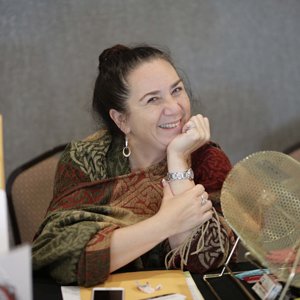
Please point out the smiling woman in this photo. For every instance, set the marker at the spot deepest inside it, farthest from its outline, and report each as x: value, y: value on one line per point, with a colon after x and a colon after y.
x: 112, y: 206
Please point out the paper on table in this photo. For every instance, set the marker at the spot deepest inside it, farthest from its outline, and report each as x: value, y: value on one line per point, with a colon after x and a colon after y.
x: 70, y: 292
x: 173, y: 281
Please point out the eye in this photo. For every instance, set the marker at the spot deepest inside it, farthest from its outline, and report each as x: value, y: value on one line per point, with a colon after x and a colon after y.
x: 152, y: 99
x: 177, y: 90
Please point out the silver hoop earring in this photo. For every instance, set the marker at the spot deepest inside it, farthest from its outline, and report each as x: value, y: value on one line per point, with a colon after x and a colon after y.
x: 126, y: 149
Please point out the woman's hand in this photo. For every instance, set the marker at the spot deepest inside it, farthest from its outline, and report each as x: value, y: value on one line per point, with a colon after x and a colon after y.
x: 280, y: 256
x: 185, y: 211
x: 195, y: 133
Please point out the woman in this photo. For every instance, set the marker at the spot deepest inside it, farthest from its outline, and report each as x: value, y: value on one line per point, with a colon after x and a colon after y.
x: 111, y: 207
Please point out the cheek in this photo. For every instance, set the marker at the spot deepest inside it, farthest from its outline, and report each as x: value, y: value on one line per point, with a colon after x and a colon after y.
x: 188, y: 111
x: 187, y: 107
x: 153, y: 114
x: 143, y: 121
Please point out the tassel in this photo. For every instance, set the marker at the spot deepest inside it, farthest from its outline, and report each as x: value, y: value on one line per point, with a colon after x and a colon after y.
x: 184, y: 249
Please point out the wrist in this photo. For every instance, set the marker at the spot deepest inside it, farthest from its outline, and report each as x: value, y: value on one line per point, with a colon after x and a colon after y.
x: 166, y: 224
x: 176, y: 156
x: 181, y: 175
x: 177, y: 163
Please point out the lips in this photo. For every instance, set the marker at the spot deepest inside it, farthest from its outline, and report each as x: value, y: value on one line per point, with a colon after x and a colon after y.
x: 169, y: 125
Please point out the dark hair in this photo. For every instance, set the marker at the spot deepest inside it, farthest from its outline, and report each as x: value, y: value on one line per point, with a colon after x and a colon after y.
x: 111, y: 89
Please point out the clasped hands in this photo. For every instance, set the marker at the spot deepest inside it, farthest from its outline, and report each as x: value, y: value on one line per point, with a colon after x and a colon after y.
x: 186, y: 210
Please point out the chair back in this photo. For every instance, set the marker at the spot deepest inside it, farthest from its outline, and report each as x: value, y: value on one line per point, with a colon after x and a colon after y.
x: 29, y: 191
x: 294, y: 151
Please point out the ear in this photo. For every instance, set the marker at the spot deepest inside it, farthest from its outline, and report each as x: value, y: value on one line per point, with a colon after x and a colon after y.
x: 120, y: 120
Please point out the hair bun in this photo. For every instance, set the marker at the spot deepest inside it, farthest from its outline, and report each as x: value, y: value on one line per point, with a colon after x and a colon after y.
x: 110, y: 54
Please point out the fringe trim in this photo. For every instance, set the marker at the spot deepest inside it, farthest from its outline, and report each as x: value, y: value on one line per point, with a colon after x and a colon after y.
x: 184, y: 249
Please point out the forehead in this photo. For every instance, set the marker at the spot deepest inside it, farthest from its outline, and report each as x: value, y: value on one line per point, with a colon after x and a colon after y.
x: 151, y: 75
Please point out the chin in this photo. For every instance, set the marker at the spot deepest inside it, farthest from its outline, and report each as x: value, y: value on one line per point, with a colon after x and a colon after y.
x: 169, y: 135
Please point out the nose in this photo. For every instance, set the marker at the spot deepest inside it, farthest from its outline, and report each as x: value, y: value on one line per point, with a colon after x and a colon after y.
x: 171, y: 106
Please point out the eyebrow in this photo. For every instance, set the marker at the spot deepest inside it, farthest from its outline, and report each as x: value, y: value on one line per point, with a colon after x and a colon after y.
x: 156, y: 92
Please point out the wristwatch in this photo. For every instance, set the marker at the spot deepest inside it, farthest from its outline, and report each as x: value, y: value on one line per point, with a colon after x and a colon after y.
x: 188, y: 174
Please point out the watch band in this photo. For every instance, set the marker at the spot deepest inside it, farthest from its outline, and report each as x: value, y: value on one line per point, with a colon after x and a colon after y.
x: 187, y: 174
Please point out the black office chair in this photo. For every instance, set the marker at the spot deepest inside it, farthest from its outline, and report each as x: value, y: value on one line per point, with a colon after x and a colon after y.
x: 29, y: 191
x: 293, y: 151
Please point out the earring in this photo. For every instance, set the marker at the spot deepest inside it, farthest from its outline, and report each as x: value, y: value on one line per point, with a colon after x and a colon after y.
x: 126, y: 149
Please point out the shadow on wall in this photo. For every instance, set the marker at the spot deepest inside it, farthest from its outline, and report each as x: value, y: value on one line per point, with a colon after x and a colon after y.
x: 284, y: 137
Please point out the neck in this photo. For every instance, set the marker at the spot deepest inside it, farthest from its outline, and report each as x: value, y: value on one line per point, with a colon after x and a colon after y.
x: 143, y: 159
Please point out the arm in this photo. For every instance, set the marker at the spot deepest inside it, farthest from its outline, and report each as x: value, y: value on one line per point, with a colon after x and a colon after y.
x: 209, y: 246
x: 195, y: 134
x: 130, y: 242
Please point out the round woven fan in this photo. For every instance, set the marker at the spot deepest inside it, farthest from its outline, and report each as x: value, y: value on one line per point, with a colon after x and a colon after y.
x: 260, y: 200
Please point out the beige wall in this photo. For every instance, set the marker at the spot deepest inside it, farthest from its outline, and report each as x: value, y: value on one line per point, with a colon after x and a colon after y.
x: 242, y: 58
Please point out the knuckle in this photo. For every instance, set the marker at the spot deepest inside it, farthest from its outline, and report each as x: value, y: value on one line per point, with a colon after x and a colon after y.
x: 199, y: 187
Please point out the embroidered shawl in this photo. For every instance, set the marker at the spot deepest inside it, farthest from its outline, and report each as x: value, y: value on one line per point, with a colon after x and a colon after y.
x: 95, y: 193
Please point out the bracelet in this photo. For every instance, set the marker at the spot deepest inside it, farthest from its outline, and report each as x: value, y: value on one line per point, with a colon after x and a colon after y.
x: 188, y: 174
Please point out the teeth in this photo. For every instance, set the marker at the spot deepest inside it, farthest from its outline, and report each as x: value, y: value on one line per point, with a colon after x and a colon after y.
x: 169, y: 125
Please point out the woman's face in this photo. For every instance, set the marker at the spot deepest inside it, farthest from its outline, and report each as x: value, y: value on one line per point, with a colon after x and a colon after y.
x: 158, y: 106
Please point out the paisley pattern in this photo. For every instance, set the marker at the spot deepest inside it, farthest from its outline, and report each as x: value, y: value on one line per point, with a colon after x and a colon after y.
x: 212, y: 256
x: 90, y: 157
x: 95, y: 193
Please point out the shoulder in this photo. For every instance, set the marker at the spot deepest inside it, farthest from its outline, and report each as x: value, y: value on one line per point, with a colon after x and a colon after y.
x: 82, y: 161
x: 210, y: 150
x: 89, y: 155
x: 90, y: 149
x: 211, y: 166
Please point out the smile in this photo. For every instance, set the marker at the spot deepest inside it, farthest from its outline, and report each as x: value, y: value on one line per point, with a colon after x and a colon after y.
x: 170, y: 125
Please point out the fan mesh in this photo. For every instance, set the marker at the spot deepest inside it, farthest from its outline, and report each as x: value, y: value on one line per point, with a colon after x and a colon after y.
x: 260, y: 200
